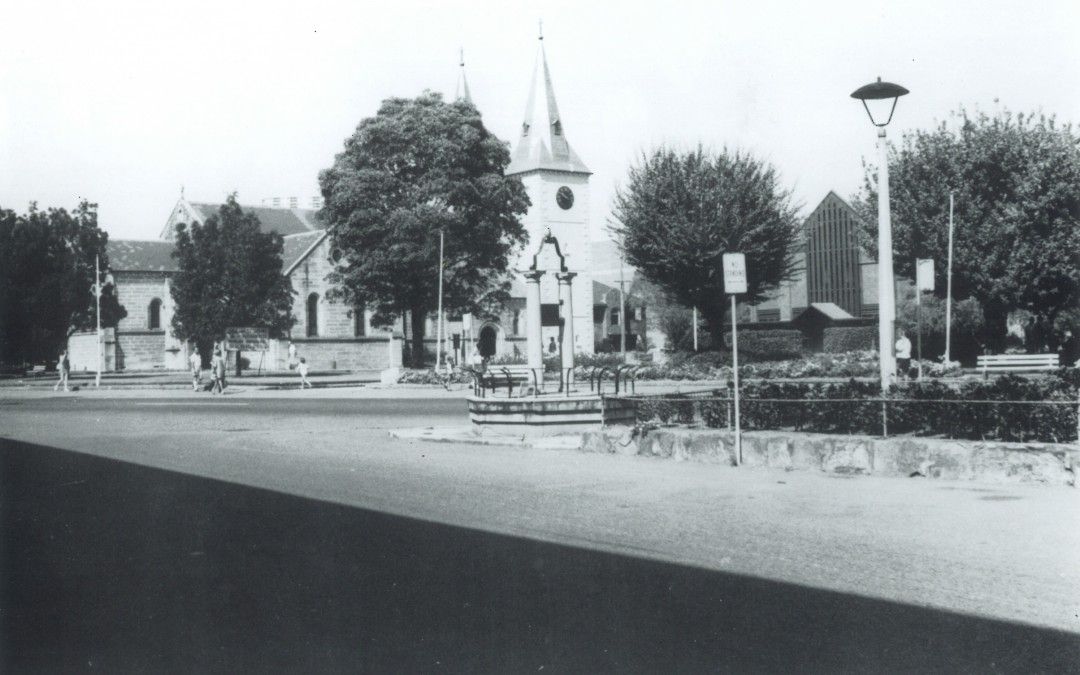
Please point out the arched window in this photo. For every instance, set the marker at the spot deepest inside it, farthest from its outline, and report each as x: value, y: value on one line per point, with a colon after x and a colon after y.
x: 614, y: 317
x: 313, y: 315
x: 359, y: 322
x: 154, y: 315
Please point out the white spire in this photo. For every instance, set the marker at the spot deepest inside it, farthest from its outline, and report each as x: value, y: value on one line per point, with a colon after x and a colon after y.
x: 542, y: 144
x: 462, y: 90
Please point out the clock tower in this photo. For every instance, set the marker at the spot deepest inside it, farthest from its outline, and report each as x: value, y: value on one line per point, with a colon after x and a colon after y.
x: 557, y: 182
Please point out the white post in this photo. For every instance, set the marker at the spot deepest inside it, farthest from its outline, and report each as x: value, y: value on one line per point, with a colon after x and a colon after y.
x: 948, y: 288
x: 534, y: 346
x: 918, y: 313
x: 566, y: 291
x: 695, y: 329
x: 622, y: 312
x: 439, y: 327
x: 97, y: 301
x: 886, y: 293
x: 735, y: 374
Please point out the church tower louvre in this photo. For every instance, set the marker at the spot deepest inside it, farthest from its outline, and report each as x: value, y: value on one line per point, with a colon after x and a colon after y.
x: 557, y: 182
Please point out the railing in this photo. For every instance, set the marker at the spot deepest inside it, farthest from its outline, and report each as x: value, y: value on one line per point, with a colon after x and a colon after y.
x: 1007, y: 420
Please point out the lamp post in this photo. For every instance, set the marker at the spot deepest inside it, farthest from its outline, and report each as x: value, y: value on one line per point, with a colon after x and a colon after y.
x: 883, y: 92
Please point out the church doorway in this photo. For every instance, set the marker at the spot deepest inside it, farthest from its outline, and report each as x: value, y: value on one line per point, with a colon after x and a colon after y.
x: 487, y: 342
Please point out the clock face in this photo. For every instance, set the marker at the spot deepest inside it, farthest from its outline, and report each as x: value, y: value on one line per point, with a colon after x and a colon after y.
x: 565, y: 197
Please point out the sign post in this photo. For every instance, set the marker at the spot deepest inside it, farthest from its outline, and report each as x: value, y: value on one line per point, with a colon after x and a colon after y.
x: 734, y: 283
x: 924, y: 281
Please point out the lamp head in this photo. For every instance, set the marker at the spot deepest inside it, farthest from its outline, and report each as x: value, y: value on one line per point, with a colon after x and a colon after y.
x: 879, y: 91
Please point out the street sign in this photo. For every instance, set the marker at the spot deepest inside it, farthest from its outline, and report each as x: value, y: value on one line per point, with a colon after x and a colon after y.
x: 924, y: 274
x: 734, y: 273
x: 247, y: 339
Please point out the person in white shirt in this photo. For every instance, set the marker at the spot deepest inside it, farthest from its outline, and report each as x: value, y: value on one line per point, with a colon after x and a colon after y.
x: 903, y: 354
x: 196, y: 368
x: 303, y: 370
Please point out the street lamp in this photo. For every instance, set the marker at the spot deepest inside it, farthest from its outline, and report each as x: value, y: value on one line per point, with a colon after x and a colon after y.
x: 879, y: 96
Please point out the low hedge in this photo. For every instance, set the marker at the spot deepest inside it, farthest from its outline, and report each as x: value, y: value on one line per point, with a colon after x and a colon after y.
x: 768, y: 345
x: 849, y: 338
x: 928, y: 408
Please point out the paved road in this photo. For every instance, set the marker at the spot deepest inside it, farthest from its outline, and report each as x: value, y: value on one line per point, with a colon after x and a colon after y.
x: 255, y: 535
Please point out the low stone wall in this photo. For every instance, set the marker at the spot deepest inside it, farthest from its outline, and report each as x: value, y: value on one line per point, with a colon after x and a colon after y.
x: 365, y: 353
x: 1047, y: 463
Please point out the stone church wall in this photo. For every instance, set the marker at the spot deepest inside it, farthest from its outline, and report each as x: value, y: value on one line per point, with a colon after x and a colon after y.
x: 324, y: 354
x: 141, y: 350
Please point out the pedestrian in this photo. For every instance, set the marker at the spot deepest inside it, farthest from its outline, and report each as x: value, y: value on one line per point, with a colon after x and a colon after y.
x: 903, y: 355
x: 196, y: 368
x: 292, y: 355
x: 221, y: 365
x: 552, y: 347
x: 215, y: 378
x: 63, y: 368
x: 303, y: 370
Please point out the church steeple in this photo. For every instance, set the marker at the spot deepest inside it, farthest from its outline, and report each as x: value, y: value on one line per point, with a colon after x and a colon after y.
x: 542, y: 144
x: 462, y: 90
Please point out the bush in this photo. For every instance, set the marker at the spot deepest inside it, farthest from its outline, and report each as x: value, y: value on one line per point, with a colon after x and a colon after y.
x: 928, y: 408
x: 767, y: 345
x: 429, y: 376
x: 849, y: 339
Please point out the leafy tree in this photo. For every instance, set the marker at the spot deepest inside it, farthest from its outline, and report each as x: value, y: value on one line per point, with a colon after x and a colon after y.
x: 1016, y: 180
x: 47, y: 280
x: 680, y: 212
x: 230, y: 276
x: 967, y: 323
x: 418, y: 166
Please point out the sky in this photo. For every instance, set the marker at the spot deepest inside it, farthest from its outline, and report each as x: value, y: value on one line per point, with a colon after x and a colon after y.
x: 124, y: 103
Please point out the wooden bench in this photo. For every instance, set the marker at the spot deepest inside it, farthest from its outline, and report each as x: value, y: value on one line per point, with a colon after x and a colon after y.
x: 509, y: 375
x: 1016, y: 363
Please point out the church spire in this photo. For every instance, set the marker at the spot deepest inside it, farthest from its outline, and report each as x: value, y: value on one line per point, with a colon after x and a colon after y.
x: 542, y: 143
x: 462, y: 90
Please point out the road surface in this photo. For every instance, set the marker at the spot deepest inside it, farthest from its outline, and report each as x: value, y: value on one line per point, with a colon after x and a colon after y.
x: 227, y: 535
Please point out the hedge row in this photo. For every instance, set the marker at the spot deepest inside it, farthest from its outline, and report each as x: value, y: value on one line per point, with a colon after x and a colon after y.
x: 849, y: 338
x: 768, y: 345
x: 923, y: 409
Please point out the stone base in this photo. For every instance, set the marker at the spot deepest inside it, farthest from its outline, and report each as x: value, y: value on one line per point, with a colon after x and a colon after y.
x: 546, y: 415
x: 390, y: 376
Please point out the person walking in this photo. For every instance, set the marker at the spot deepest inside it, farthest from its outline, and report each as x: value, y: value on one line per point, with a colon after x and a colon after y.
x: 215, y: 370
x: 903, y: 355
x: 221, y: 367
x: 302, y: 368
x: 292, y: 355
x: 196, y: 368
x: 63, y: 368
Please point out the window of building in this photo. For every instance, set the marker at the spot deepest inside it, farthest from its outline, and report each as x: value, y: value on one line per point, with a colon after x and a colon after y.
x: 154, y: 315
x: 614, y: 317
x: 313, y: 315
x: 293, y: 202
x: 359, y: 322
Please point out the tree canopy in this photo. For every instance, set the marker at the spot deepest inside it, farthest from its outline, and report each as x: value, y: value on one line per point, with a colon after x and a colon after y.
x: 230, y: 276
x: 679, y: 212
x: 418, y: 166
x: 1016, y: 184
x: 47, y: 280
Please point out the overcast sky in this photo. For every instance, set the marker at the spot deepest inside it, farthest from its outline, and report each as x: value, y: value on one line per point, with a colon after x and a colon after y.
x: 122, y: 103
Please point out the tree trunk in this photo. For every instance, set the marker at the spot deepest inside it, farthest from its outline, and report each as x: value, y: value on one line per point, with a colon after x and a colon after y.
x: 416, y: 319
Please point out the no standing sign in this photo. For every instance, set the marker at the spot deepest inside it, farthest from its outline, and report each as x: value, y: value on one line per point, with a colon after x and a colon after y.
x: 734, y: 273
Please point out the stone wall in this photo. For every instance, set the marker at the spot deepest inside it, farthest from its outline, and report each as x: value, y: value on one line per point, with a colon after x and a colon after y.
x: 1046, y: 463
x: 335, y: 319
x: 135, y: 291
x: 140, y: 350
x: 83, y: 351
x: 324, y: 354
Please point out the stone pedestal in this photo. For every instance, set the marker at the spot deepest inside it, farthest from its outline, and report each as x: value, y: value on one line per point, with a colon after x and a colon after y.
x: 534, y: 346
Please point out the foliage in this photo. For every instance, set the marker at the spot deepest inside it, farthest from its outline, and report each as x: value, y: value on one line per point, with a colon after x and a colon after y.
x: 967, y: 323
x: 429, y: 376
x: 47, y: 280
x: 680, y: 212
x: 930, y: 408
x: 1016, y: 180
x: 230, y: 276
x: 767, y: 345
x: 838, y: 339
x: 417, y: 167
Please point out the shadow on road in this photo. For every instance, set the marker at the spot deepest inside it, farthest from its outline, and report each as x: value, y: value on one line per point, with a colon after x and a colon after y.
x: 114, y: 567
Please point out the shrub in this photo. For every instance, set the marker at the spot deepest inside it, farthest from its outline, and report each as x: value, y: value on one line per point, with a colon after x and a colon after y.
x: 849, y: 338
x: 767, y: 345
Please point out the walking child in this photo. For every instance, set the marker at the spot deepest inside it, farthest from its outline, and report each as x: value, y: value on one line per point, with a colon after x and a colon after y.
x: 196, y: 368
x: 302, y: 368
x: 63, y: 368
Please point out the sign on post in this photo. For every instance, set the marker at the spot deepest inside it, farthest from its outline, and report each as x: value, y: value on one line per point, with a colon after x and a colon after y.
x: 924, y: 274
x: 247, y: 339
x: 734, y: 283
x: 734, y: 273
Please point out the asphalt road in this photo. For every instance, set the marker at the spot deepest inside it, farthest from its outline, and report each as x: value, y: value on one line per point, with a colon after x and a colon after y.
x: 293, y: 536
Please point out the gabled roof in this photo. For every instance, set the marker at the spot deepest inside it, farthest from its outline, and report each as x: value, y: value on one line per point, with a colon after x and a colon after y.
x: 282, y: 221
x: 829, y: 310
x: 130, y: 255
x: 543, y: 144
x: 297, y: 247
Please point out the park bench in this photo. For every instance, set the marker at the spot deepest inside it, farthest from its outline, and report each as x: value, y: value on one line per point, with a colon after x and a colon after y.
x: 509, y: 375
x: 1016, y: 363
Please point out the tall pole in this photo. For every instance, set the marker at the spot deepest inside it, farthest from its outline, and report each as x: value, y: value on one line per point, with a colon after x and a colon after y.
x: 439, y: 327
x: 97, y: 303
x: 918, y: 312
x: 948, y: 287
x: 695, y: 329
x: 622, y: 311
x: 735, y: 374
x: 886, y: 294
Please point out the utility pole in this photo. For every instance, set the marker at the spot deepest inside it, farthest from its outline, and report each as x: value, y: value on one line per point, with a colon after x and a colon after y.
x: 948, y: 287
x: 695, y: 329
x: 97, y: 304
x: 622, y: 311
x: 439, y: 327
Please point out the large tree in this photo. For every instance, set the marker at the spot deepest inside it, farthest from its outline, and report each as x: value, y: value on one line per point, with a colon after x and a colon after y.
x: 47, y: 280
x: 1016, y: 185
x: 417, y: 167
x: 679, y: 212
x: 230, y: 276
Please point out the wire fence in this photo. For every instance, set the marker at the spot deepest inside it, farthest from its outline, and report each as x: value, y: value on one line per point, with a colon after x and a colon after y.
x: 1048, y: 420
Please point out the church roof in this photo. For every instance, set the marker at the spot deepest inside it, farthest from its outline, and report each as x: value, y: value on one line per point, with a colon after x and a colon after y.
x: 543, y: 144
x: 130, y: 255
x: 297, y: 247
x: 282, y: 221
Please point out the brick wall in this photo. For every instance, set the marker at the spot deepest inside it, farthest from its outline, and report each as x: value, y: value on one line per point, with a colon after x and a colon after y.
x: 343, y: 353
x: 141, y: 350
x: 335, y: 319
x: 83, y: 350
x: 136, y: 290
